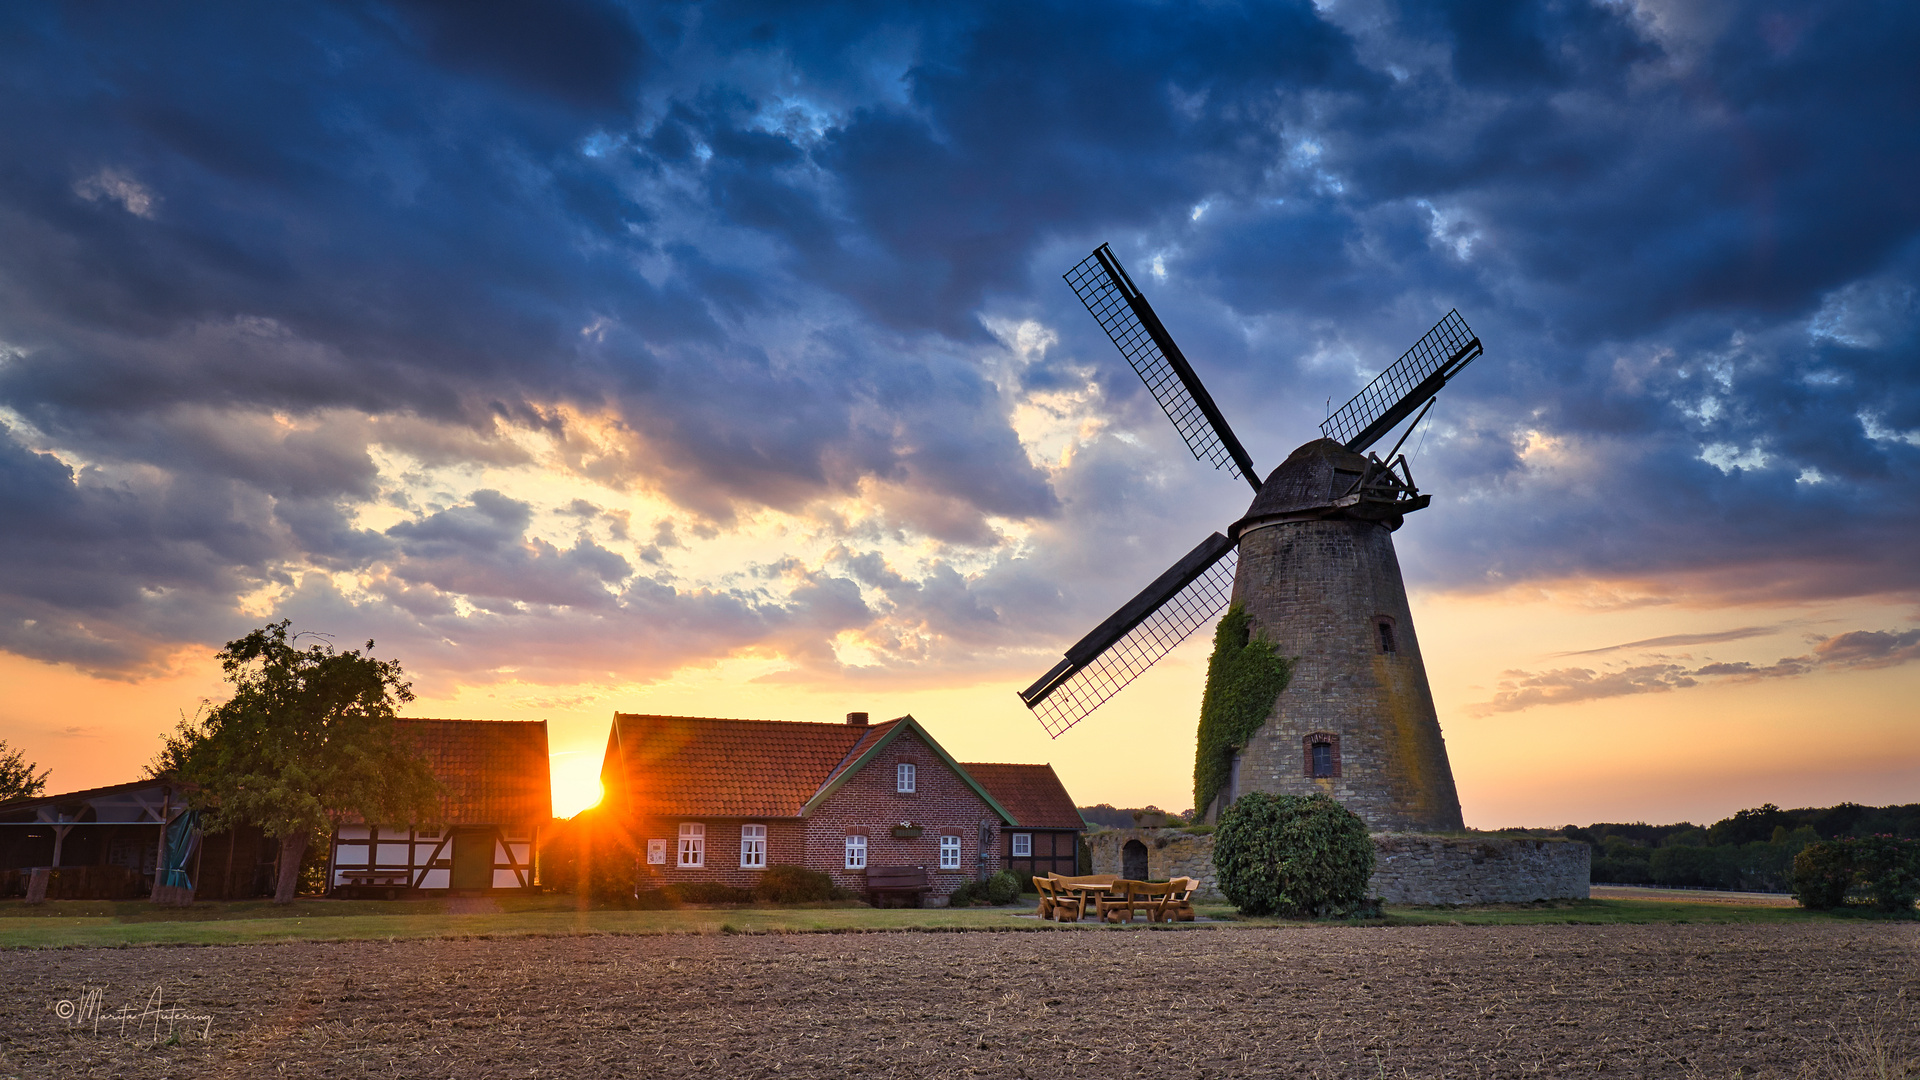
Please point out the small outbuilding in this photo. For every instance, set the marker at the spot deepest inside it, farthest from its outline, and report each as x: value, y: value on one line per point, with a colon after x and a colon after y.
x: 498, y: 795
x: 104, y: 843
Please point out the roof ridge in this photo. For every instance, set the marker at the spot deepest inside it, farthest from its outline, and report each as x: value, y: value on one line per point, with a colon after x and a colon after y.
x: 740, y: 720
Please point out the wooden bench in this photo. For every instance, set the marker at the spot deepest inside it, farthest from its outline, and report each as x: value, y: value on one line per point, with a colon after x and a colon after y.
x: 376, y: 884
x: 898, y: 880
x: 1159, y: 900
x: 1072, y: 895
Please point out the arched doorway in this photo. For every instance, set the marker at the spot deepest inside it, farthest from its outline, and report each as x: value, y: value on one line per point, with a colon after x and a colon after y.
x: 1133, y: 861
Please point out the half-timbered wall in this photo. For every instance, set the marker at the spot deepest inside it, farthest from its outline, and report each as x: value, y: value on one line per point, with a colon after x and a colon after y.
x: 1054, y: 851
x: 426, y: 856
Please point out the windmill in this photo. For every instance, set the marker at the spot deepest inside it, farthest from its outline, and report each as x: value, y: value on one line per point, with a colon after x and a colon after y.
x: 1313, y: 562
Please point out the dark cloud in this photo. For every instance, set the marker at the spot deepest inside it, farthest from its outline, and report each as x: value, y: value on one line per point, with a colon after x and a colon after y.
x: 752, y: 257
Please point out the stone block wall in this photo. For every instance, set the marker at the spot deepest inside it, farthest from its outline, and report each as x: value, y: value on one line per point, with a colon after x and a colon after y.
x: 1409, y: 868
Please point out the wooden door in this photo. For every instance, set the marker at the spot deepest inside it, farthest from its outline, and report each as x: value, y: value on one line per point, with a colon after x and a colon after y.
x: 472, y: 859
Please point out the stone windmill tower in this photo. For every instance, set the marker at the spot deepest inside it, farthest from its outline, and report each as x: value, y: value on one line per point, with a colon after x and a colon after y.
x: 1313, y: 562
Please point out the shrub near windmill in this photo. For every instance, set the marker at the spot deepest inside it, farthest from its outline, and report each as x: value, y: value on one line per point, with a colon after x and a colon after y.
x: 1317, y: 682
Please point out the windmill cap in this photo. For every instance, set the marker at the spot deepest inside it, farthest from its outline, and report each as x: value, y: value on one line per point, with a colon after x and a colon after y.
x: 1309, y: 485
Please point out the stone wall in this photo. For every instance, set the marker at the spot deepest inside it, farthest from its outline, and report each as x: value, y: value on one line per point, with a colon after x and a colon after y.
x: 1409, y: 868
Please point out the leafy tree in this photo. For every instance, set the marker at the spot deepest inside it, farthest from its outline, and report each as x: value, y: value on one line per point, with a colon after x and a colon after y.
x: 1292, y: 855
x: 307, y: 738
x: 17, y: 778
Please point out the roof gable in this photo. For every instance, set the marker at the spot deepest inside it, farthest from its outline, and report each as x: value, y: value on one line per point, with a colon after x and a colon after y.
x: 874, y: 747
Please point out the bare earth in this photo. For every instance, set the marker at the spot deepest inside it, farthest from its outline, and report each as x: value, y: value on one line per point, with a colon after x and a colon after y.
x: 1657, y: 1001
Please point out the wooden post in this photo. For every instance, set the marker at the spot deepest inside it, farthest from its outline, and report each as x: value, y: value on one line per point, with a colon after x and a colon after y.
x: 37, y: 881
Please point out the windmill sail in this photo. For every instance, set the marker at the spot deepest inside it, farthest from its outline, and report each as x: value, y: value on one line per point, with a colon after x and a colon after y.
x: 1146, y: 628
x: 1393, y: 395
x: 1102, y: 284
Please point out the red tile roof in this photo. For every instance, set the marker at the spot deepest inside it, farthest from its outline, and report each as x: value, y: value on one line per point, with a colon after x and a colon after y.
x: 706, y: 767
x: 495, y: 771
x: 1031, y: 793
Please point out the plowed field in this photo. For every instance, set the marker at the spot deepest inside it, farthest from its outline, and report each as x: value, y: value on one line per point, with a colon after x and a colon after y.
x: 1656, y: 1001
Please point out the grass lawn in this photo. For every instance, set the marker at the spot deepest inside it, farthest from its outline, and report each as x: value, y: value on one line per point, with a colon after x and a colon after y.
x: 110, y: 924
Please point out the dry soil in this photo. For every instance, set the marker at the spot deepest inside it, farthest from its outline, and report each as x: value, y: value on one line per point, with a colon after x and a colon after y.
x: 1657, y: 1001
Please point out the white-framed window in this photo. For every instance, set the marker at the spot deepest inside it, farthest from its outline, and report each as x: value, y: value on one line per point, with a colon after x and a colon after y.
x: 753, y: 847
x: 693, y: 844
x: 949, y: 853
x: 656, y: 852
x: 903, y: 778
x: 856, y: 853
x: 1022, y: 845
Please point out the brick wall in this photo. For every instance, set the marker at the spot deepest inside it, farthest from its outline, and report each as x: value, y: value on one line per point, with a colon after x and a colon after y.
x: 1317, y: 590
x: 1409, y: 868
x: 868, y: 805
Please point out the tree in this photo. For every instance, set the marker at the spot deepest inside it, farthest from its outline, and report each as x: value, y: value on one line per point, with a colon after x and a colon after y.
x: 17, y: 779
x: 308, y: 737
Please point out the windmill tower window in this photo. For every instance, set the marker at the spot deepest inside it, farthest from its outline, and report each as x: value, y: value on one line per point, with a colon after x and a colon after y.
x: 1383, y: 627
x: 1323, y: 755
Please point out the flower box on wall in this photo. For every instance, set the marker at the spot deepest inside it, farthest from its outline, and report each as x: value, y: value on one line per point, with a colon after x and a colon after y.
x: 907, y: 832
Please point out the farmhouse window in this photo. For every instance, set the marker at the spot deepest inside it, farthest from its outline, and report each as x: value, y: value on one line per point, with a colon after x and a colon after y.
x: 856, y: 853
x: 657, y: 852
x: 1022, y: 845
x: 903, y: 778
x: 693, y: 844
x: 753, y: 847
x: 949, y: 853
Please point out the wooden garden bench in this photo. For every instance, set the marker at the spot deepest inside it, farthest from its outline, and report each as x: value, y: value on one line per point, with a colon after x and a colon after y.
x: 1159, y: 900
x: 898, y: 880
x: 1073, y: 894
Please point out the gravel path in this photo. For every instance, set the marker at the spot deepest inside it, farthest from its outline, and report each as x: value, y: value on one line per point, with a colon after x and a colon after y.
x: 1442, y: 1001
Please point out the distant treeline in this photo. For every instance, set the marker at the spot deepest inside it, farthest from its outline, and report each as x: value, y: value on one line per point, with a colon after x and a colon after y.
x: 1753, y: 850
x: 1112, y: 817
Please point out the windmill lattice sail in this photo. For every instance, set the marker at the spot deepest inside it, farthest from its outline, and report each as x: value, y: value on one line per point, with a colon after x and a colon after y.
x: 1188, y: 596
x: 1393, y: 395
x: 1102, y: 284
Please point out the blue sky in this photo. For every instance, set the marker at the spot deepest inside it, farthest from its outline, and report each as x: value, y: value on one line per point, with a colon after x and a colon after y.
x: 577, y: 347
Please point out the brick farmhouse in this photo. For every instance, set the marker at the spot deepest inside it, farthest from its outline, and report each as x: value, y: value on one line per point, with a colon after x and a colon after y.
x: 722, y: 800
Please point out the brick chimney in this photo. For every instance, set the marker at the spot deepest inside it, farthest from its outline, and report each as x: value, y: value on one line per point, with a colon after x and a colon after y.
x: 856, y: 719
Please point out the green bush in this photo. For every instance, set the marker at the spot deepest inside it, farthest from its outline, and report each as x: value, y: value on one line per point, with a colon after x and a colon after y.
x: 1888, y: 867
x: 966, y: 893
x: 1292, y: 855
x: 793, y: 885
x: 1822, y: 873
x: 1003, y: 888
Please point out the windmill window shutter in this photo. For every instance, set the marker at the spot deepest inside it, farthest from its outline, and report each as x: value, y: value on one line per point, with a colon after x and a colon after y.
x: 1383, y: 626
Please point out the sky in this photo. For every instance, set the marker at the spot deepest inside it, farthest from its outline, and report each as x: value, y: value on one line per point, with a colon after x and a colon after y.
x: 714, y: 358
